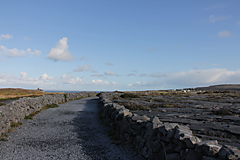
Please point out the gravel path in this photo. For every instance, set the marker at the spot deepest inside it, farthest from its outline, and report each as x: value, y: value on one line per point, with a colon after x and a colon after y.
x: 71, y: 131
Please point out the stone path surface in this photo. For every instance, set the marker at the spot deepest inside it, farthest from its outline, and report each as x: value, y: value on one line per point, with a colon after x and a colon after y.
x: 71, y: 131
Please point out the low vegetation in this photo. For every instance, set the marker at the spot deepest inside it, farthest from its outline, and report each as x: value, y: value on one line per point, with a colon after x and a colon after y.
x: 16, y: 93
x: 129, y: 95
x: 2, y: 104
x: 3, y: 137
x: 134, y: 106
x: 30, y: 116
x: 15, y: 124
x: 49, y: 106
x: 152, y: 100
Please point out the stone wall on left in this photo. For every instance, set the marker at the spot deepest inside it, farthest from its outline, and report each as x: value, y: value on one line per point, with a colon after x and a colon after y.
x: 16, y: 111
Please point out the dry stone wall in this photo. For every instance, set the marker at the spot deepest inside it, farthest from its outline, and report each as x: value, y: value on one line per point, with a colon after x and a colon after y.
x: 156, y: 140
x: 17, y: 110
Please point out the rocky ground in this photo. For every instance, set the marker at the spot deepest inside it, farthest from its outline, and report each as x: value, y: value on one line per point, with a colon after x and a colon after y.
x: 70, y: 131
x: 211, y: 115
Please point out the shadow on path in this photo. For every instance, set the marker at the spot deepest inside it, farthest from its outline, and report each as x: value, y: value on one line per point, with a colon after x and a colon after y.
x: 91, y: 134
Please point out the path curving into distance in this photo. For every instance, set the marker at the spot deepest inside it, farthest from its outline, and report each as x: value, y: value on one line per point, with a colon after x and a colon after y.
x: 71, y: 131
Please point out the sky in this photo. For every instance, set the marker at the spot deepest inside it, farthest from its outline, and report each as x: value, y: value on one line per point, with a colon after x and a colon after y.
x: 106, y: 45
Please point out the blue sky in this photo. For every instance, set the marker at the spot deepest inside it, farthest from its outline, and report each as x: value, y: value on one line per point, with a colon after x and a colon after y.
x: 119, y: 45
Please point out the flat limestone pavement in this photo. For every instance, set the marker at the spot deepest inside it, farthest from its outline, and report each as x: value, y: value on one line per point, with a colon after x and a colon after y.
x: 71, y: 131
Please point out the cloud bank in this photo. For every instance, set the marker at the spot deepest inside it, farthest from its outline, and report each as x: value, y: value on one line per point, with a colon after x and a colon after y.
x: 5, y: 36
x: 83, y: 68
x: 60, y: 52
x: 192, y: 78
x: 224, y: 33
x: 24, y: 81
x: 18, y: 53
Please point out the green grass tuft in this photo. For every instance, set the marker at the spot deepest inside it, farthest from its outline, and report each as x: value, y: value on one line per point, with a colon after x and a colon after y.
x: 49, y: 106
x: 2, y: 104
x: 3, y: 139
x: 129, y: 95
x: 15, y: 124
x: 65, y: 96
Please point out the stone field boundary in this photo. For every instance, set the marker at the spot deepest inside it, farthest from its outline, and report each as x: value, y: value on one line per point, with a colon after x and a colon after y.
x: 13, y: 112
x: 154, y: 139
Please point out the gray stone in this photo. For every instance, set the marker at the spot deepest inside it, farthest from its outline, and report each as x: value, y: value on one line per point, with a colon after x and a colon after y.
x: 166, y: 127
x: 182, y: 132
x: 229, y: 152
x: 173, y: 156
x: 193, y: 155
x: 155, y: 120
x: 209, y: 158
x: 136, y: 117
x: 211, y: 149
x: 191, y: 141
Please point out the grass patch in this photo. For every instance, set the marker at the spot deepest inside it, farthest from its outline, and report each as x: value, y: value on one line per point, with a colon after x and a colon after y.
x: 3, y: 139
x: 129, y: 95
x: 16, y: 93
x: 2, y: 104
x: 15, y: 124
x: 10, y: 130
x: 30, y: 116
x: 6, y: 99
x: 49, y: 106
x: 134, y: 106
x: 65, y: 97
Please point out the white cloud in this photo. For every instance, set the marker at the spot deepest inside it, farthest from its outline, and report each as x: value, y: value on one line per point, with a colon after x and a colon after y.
x: 64, y: 76
x: 73, y: 81
x: 18, y: 53
x: 202, y: 77
x: 23, y: 75
x: 114, y: 83
x: 224, y: 33
x: 191, y: 78
x: 5, y: 36
x: 23, y: 81
x: 109, y: 73
x: 101, y: 82
x: 60, y: 52
x: 83, y: 68
x: 46, y: 77
x: 145, y: 85
x: 214, y: 18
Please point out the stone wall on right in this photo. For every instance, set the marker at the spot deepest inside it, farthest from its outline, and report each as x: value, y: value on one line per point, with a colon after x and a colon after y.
x: 156, y: 140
